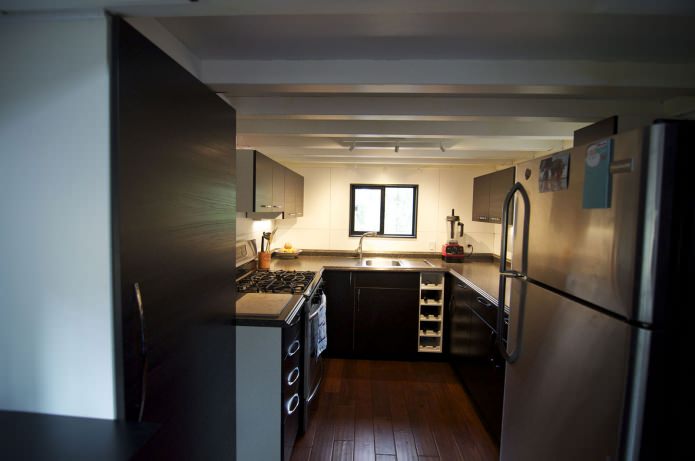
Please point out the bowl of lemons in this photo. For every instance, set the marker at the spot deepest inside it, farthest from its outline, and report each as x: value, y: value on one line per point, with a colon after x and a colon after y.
x: 287, y: 251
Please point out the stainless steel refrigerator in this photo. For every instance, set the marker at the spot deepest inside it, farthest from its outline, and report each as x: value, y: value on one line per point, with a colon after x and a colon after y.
x: 601, y: 237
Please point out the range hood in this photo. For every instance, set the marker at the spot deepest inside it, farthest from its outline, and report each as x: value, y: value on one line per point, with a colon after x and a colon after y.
x: 257, y: 216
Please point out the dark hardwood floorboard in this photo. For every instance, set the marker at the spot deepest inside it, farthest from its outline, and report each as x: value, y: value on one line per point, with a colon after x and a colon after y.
x: 345, y: 422
x: 322, y: 447
x: 383, y: 436
x: 393, y: 411
x: 343, y: 450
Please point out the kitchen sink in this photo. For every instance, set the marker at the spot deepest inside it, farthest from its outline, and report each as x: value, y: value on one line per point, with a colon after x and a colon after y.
x: 382, y: 262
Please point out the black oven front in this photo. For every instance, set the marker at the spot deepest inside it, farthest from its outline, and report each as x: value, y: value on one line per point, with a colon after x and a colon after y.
x: 313, y: 361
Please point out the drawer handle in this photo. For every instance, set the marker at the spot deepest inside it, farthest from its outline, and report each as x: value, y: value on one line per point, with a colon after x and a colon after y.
x: 294, y: 347
x: 292, y: 404
x: 293, y: 376
x: 483, y: 301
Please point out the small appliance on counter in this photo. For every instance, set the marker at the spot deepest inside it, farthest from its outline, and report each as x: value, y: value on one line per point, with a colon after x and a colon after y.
x: 452, y: 251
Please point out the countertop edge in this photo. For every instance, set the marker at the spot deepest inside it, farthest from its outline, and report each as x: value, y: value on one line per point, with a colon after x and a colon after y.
x: 291, y: 308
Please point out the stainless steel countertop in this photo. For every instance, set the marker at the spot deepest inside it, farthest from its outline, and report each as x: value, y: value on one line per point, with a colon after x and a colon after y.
x: 482, y: 276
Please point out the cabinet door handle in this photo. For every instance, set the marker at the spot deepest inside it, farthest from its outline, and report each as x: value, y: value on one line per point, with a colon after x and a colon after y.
x: 484, y: 301
x: 292, y: 404
x: 143, y: 351
x: 461, y: 285
x: 293, y: 376
x: 266, y: 206
x: 294, y: 347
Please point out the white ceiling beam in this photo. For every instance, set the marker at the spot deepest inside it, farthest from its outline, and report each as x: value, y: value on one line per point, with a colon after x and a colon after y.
x: 525, y: 77
x: 389, y: 153
x: 350, y: 161
x: 160, y: 36
x: 405, y: 130
x: 436, y: 108
x: 471, y: 143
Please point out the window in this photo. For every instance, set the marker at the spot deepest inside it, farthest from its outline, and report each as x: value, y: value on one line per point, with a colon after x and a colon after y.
x: 389, y: 210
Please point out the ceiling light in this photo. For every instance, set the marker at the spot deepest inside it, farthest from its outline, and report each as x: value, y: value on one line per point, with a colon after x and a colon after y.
x: 441, y: 147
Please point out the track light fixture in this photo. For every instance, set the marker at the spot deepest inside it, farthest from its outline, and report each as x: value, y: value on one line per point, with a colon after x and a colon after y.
x: 441, y: 147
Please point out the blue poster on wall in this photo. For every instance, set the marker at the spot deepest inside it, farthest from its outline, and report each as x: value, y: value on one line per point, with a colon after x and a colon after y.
x: 597, y: 175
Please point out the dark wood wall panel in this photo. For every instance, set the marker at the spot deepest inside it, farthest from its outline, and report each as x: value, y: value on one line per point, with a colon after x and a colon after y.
x: 174, y: 220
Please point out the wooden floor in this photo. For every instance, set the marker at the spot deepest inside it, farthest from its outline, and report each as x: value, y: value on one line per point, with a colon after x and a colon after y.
x: 379, y: 410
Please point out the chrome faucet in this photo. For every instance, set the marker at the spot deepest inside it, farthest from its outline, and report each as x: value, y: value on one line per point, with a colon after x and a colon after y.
x: 366, y: 234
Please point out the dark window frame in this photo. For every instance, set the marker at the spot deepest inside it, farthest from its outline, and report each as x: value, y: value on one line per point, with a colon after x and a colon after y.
x: 383, y: 187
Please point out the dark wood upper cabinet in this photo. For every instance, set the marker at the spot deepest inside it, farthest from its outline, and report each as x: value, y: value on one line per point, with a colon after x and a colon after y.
x: 279, y: 172
x: 299, y: 195
x: 290, y: 193
x: 489, y: 192
x: 264, y: 183
x: 596, y: 131
x: 294, y: 194
x: 481, y: 198
x: 265, y: 186
x: 501, y: 182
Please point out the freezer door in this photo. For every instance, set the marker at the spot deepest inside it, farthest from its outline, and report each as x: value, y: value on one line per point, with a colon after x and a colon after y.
x: 588, y: 253
x: 563, y: 396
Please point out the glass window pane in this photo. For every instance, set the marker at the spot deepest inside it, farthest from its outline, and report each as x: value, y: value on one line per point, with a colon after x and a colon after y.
x: 367, y: 210
x: 398, y: 210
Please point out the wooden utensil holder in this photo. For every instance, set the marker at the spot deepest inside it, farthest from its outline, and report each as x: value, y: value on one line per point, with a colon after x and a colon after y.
x: 264, y: 260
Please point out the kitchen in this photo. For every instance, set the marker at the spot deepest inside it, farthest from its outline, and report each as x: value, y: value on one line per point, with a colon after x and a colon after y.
x: 368, y: 138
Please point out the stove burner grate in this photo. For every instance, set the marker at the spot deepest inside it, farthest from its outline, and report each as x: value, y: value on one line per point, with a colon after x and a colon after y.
x: 276, y: 282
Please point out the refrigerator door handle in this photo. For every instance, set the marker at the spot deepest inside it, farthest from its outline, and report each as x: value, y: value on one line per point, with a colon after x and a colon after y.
x: 510, y: 357
x: 504, y: 273
x: 505, y: 229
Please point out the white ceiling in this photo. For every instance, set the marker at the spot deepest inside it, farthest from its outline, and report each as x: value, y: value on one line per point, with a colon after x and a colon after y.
x: 448, y: 81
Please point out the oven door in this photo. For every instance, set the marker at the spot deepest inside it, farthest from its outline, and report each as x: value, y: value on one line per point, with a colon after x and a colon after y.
x: 313, y: 361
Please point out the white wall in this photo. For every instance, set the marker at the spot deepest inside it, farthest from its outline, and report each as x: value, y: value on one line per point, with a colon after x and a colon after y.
x: 327, y: 201
x: 56, y: 323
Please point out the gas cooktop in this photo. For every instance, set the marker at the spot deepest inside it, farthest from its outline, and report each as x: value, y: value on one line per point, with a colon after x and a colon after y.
x: 275, y: 282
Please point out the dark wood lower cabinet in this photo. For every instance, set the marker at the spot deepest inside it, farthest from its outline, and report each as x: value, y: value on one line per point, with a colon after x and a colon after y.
x: 386, y: 321
x: 372, y: 314
x: 340, y: 316
x: 474, y: 355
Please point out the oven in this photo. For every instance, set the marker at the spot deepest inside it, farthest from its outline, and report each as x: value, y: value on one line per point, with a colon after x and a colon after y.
x: 313, y: 360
